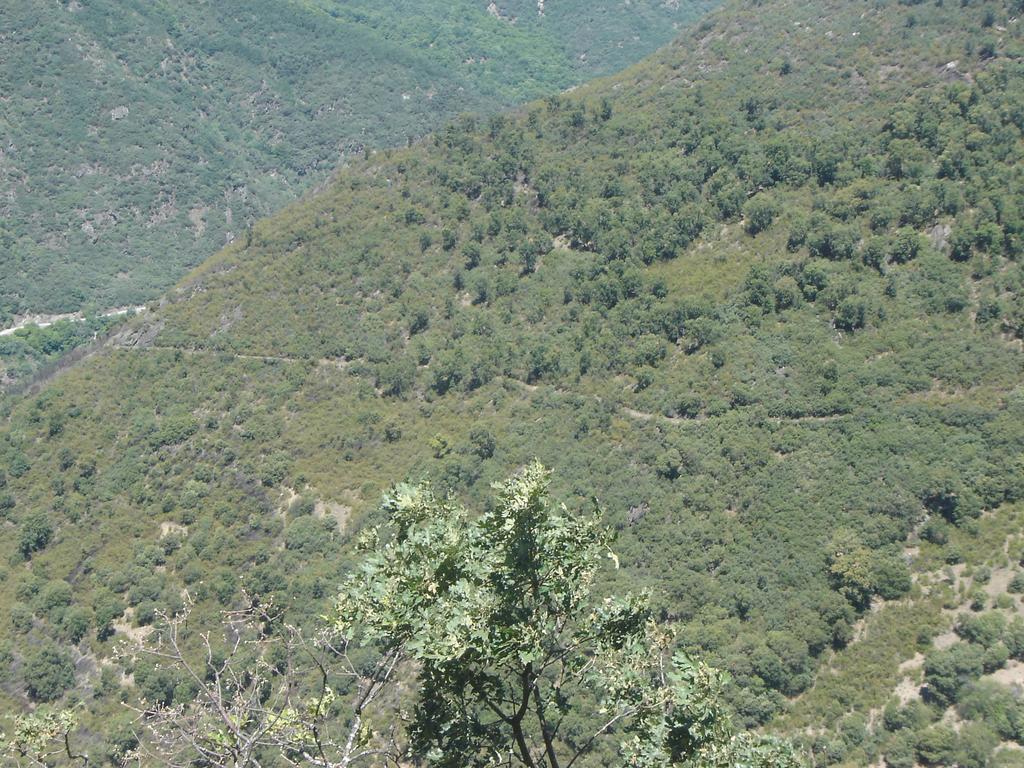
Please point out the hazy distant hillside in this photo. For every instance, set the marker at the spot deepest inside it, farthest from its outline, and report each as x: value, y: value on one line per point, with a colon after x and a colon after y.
x: 760, y: 294
x: 140, y: 137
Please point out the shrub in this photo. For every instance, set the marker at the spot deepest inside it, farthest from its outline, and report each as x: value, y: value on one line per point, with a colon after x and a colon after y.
x: 482, y: 442
x: 975, y: 744
x: 107, y: 608
x: 937, y: 746
x: 831, y: 241
x: 303, y: 506
x: 49, y: 672
x: 758, y: 215
x: 36, y: 532
x: 901, y: 753
x: 54, y: 598
x: 851, y: 313
x: 21, y: 617
x: 306, y: 535
x: 994, y: 704
x: 947, y: 671
x: 74, y: 624
x: 1014, y: 638
x: 986, y: 629
x: 906, y: 246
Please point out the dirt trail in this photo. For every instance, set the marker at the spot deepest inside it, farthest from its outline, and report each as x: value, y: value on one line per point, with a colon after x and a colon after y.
x: 336, y: 362
x: 137, y: 342
x: 647, y: 416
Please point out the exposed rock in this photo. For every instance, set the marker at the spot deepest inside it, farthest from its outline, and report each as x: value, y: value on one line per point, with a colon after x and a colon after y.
x: 168, y: 528
x: 637, y: 513
x: 939, y: 235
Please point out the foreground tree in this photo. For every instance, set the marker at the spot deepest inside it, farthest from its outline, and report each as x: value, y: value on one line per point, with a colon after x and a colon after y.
x: 40, y: 739
x: 518, y: 659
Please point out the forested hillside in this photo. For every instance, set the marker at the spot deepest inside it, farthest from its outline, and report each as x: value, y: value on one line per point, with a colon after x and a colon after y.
x: 140, y: 137
x: 760, y: 294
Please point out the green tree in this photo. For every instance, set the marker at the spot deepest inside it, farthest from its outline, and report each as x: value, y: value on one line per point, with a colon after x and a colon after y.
x: 937, y: 746
x: 500, y: 614
x: 36, y: 532
x: 851, y: 569
x: 947, y: 671
x: 39, y: 737
x: 758, y: 215
x: 48, y: 673
x: 985, y: 630
x: 482, y: 442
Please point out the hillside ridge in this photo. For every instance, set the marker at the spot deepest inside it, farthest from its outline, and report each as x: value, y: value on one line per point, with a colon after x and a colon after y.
x: 759, y: 294
x: 142, y: 138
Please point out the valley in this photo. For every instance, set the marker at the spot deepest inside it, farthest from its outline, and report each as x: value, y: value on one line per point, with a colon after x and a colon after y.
x: 757, y: 298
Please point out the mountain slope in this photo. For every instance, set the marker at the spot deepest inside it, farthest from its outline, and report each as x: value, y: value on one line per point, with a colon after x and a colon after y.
x: 139, y: 138
x: 760, y: 294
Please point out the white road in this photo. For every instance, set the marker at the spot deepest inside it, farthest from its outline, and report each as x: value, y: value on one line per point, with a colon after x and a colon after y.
x: 43, y: 321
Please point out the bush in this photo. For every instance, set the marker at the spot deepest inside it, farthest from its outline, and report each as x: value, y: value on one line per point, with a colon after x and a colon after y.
x: 669, y: 464
x: 986, y: 629
x: 797, y: 234
x: 976, y: 743
x: 906, y: 246
x: 146, y: 613
x: 851, y: 313
x: 875, y: 252
x: 911, y: 716
x: 995, y: 705
x: 274, y: 469
x: 108, y: 608
x: 173, y: 430
x: 306, y: 535
x: 901, y: 754
x: 935, y: 531
x: 155, y: 685
x: 758, y: 215
x: 74, y: 624
x: 21, y: 617
x: 36, y: 532
x: 54, y: 598
x: 831, y: 241
x: 1014, y: 638
x: 303, y: 506
x: 947, y: 671
x: 995, y: 658
x: 18, y: 465
x: 891, y: 576
x: 482, y: 442
x: 937, y: 746
x: 49, y: 672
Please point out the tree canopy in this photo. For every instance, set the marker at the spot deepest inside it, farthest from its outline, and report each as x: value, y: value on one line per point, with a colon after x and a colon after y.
x: 519, y: 658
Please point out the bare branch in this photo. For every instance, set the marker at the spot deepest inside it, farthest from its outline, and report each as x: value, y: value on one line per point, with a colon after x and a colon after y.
x: 245, y: 703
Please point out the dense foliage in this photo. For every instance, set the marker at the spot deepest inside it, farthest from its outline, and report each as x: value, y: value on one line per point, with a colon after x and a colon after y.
x: 760, y: 294
x: 28, y: 351
x: 140, y: 137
